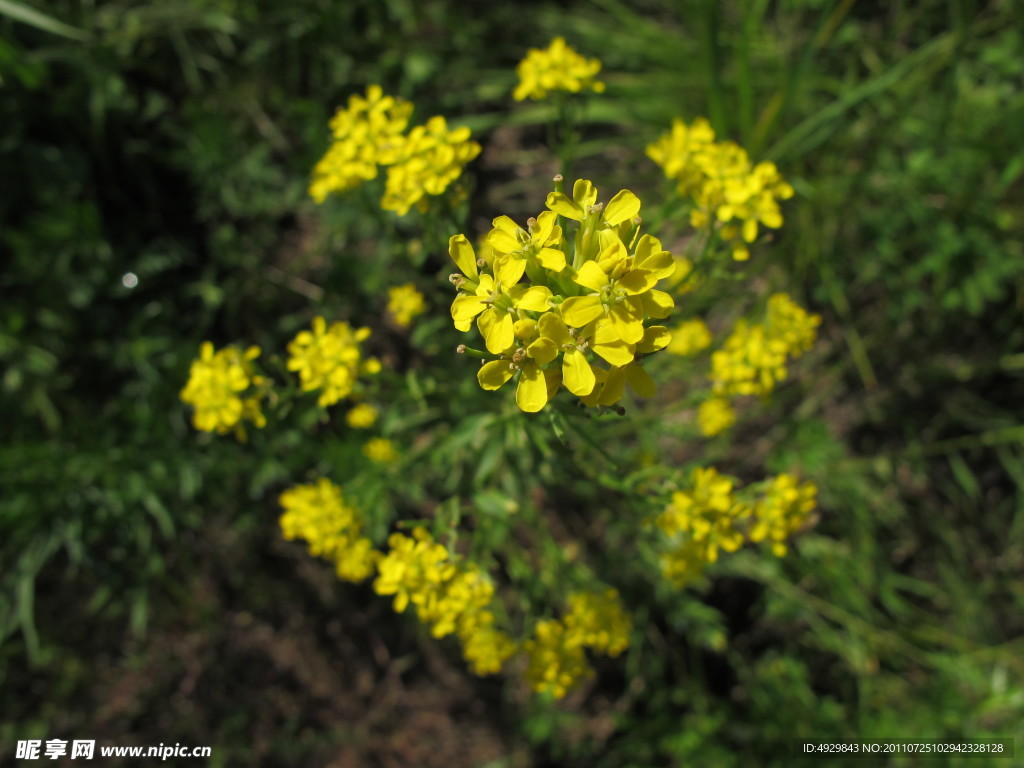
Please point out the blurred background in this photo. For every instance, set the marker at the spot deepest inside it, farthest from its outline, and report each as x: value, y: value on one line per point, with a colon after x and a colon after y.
x: 154, y: 161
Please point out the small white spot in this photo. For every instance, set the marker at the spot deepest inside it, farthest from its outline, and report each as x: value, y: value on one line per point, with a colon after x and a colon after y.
x: 129, y: 280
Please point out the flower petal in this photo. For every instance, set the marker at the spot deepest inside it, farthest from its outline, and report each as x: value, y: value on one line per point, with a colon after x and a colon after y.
x: 547, y: 232
x: 611, y: 348
x: 465, y: 308
x: 591, y: 276
x: 509, y: 269
x: 494, y: 374
x: 500, y: 240
x: 561, y: 204
x: 577, y: 375
x: 496, y: 327
x: 551, y: 326
x: 655, y: 337
x: 627, y: 324
x: 551, y: 258
x: 624, y: 206
x: 577, y: 311
x: 614, y: 387
x: 640, y: 380
x: 543, y: 350
x: 462, y: 253
x: 600, y: 375
x: 532, y: 392
x: 584, y: 193
x: 533, y: 298
x: 656, y: 303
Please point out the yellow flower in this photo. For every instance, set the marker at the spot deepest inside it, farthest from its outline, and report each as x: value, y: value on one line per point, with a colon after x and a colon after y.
x: 689, y: 338
x: 714, y: 416
x: 731, y: 195
x: 319, y: 514
x: 583, y: 205
x: 598, y: 305
x: 596, y: 620
x: 684, y: 563
x: 330, y: 359
x: 448, y: 597
x: 556, y: 663
x: 707, y: 512
x: 536, y: 387
x: 557, y: 68
x: 498, y: 306
x: 611, y: 384
x: 677, y: 152
x: 216, y: 387
x: 413, y: 570
x: 362, y: 416
x: 405, y: 303
x: 366, y: 134
x: 753, y: 359
x: 622, y: 288
x: 380, y: 450
x: 486, y: 649
x: 517, y: 247
x: 430, y: 158
x: 791, y: 324
x: 783, y: 511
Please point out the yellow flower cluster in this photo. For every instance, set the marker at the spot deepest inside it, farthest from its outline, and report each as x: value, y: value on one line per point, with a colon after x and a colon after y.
x: 447, y: 596
x: 596, y: 620
x: 405, y: 303
x: 714, y: 416
x: 370, y: 134
x: 556, y: 658
x: 753, y: 359
x: 430, y: 158
x: 361, y: 416
x: 366, y: 134
x: 380, y: 450
x: 730, y: 193
x: 689, y: 338
x: 224, y: 389
x: 709, y: 516
x: 551, y: 304
x: 783, y: 511
x: 331, y: 528
x: 329, y: 359
x: 556, y: 68
x: 703, y: 519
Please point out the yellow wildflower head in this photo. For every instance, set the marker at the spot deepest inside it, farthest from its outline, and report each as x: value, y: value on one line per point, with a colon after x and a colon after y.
x: 731, y: 196
x: 430, y: 158
x: 753, y: 359
x: 366, y: 133
x: 405, y: 303
x: 556, y: 662
x: 486, y: 649
x: 784, y: 509
x: 702, y: 518
x: 362, y: 416
x: 690, y: 337
x: 596, y: 620
x: 714, y: 416
x: 330, y: 359
x: 319, y: 514
x: 224, y: 389
x: 555, y: 307
x: 380, y: 450
x: 556, y: 68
